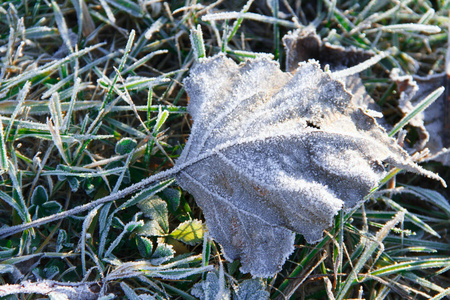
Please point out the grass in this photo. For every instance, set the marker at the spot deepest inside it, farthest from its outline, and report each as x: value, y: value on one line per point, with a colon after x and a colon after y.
x: 92, y: 102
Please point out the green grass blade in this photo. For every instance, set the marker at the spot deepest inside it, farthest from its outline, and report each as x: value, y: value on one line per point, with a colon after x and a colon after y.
x: 433, y: 96
x: 197, y: 42
x: 411, y: 217
x: 371, y: 246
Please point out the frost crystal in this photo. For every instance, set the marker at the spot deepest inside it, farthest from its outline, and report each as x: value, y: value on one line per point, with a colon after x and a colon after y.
x: 271, y: 153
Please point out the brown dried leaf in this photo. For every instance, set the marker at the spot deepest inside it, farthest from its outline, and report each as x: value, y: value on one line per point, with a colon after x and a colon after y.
x: 430, y: 122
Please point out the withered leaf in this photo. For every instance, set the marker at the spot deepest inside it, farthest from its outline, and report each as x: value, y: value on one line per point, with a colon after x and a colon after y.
x: 430, y: 124
x: 271, y: 153
x: 304, y: 44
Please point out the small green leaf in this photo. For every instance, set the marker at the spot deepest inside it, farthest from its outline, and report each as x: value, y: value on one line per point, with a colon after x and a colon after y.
x: 125, y: 146
x: 61, y: 240
x: 145, y: 246
x: 151, y: 228
x: 39, y: 195
x: 51, y: 207
x: 73, y: 183
x: 163, y: 253
x: 172, y: 197
x: 156, y: 209
x: 210, y: 288
x: 189, y: 232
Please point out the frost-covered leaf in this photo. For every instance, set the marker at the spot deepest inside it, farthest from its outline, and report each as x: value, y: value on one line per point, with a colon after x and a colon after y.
x: 39, y: 195
x: 189, y: 232
x: 209, y: 289
x: 271, y: 153
x: 74, y: 183
x: 40, y: 206
x: 430, y: 122
x: 145, y: 246
x: 304, y: 44
x: 163, y: 253
x: 156, y: 209
x: 172, y: 196
x: 129, y: 291
x: 252, y: 289
x: 151, y: 228
x: 125, y: 146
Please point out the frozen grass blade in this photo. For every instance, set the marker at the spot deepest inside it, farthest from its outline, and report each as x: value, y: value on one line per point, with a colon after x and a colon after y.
x: 370, y: 248
x: 88, y: 67
x: 19, y: 204
x: 156, y: 26
x: 411, y: 217
x: 128, y: 228
x: 46, y: 69
x: 86, y: 223
x: 433, y: 96
x: 423, y: 282
x: 238, y: 21
x: 66, y: 122
x: 62, y: 26
x: 428, y: 195
x: 128, y: 6
x: 142, y: 61
x: 56, y: 137
x: 409, y: 27
x: 108, y: 11
x: 359, y: 67
x: 276, y: 29
x: 198, y: 45
x: 412, y: 266
x: 249, y: 16
x: 441, y: 295
x: 21, y: 98
x: 122, y: 64
x: 3, y: 152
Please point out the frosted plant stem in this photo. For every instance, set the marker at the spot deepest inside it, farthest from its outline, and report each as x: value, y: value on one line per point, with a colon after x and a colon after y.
x: 79, y: 209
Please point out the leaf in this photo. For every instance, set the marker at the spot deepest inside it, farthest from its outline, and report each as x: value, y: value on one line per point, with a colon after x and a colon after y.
x: 209, y: 289
x: 212, y: 288
x: 304, y: 44
x: 163, y: 253
x: 252, y: 289
x: 73, y: 181
x: 41, y: 207
x: 156, y: 209
x: 430, y: 124
x: 172, y: 197
x: 39, y: 195
x: 189, y: 232
x: 271, y: 153
x: 145, y: 246
x: 125, y: 146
